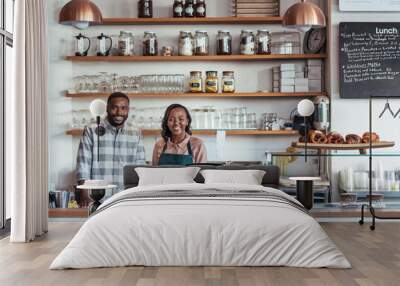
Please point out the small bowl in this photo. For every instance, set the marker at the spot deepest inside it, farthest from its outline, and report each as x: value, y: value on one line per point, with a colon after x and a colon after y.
x: 348, y: 199
x: 376, y: 197
x: 95, y: 183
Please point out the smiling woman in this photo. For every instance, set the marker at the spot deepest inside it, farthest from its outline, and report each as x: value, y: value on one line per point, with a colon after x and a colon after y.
x: 177, y: 145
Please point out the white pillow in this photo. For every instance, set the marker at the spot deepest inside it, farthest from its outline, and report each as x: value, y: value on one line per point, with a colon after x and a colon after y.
x: 166, y: 176
x: 248, y: 177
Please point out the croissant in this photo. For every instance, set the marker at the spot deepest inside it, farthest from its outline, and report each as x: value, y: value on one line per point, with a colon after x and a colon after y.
x: 353, y: 139
x: 318, y: 137
x: 373, y: 137
x: 335, y: 138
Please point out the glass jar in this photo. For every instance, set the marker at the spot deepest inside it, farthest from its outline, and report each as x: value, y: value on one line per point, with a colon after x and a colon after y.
x: 211, y: 85
x: 201, y: 43
x: 150, y: 44
x: 125, y: 44
x: 145, y: 9
x: 196, y: 82
x: 178, y: 9
x: 228, y: 81
x: 263, y: 42
x: 201, y: 9
x: 247, y: 42
x: 224, y: 43
x: 190, y: 9
x: 185, y: 43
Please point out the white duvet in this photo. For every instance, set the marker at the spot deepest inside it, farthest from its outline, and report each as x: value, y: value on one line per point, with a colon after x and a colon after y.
x: 203, y: 231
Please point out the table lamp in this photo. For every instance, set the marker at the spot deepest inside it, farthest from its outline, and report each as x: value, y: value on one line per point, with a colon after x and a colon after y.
x: 98, y: 109
x: 305, y: 109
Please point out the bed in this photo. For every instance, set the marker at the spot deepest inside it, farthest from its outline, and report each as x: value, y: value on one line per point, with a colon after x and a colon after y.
x: 197, y: 224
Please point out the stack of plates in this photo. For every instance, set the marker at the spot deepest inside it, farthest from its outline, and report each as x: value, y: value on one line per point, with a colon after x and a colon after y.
x: 256, y: 8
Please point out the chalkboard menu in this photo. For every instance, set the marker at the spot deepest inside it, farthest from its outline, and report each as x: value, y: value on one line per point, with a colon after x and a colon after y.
x: 369, y: 59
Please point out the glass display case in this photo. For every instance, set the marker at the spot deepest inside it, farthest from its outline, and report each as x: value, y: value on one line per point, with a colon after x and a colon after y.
x: 353, y: 183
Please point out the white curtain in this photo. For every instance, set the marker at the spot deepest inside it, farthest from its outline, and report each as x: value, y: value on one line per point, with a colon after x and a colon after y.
x: 26, y: 118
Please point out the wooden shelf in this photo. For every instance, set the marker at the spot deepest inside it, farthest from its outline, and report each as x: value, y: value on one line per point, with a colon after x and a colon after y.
x: 156, y: 132
x: 192, y: 21
x: 261, y: 133
x: 59, y: 212
x: 195, y: 58
x: 217, y: 95
x: 149, y: 132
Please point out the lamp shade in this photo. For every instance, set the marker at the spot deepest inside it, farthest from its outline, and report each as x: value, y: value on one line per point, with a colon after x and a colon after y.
x: 305, y: 107
x: 98, y: 108
x: 80, y: 14
x: 304, y: 16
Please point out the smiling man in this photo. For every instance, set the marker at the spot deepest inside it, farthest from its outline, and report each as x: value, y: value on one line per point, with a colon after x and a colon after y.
x: 119, y: 145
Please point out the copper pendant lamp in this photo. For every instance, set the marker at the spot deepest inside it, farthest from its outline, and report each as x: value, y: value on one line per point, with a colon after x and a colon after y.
x: 80, y: 14
x: 304, y: 16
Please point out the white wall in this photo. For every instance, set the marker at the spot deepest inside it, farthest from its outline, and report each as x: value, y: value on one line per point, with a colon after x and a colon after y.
x: 250, y: 76
x: 351, y: 115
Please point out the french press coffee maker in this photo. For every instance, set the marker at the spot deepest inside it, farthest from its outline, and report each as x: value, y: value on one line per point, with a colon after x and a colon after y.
x: 102, y: 49
x: 81, y: 51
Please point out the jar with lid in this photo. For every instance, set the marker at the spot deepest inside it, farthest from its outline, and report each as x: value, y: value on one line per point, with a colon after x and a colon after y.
x: 178, y: 9
x: 224, y: 43
x: 201, y: 43
x: 125, y: 44
x: 201, y: 9
x: 263, y: 42
x: 247, y: 42
x: 228, y: 81
x: 211, y: 85
x: 190, y: 8
x: 145, y: 9
x: 150, y: 44
x: 185, y: 43
x: 196, y: 82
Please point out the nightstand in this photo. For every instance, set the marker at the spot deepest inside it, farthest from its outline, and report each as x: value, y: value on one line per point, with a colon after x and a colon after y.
x: 304, y: 190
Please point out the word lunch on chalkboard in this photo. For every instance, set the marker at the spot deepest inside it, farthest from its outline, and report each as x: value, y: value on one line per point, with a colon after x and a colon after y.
x: 369, y: 59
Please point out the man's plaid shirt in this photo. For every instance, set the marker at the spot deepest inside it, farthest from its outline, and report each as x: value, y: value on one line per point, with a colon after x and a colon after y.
x: 118, y: 147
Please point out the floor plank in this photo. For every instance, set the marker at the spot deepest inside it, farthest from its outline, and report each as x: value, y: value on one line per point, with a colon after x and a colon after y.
x: 375, y: 257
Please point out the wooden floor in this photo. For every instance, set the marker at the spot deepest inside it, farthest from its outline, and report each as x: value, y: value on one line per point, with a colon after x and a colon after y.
x: 375, y: 257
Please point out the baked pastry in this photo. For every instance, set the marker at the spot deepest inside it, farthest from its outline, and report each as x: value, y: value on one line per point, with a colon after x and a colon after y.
x: 318, y: 137
x: 335, y: 138
x: 366, y: 138
x: 353, y: 139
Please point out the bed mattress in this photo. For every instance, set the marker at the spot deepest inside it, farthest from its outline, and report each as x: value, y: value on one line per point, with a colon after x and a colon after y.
x: 201, y: 225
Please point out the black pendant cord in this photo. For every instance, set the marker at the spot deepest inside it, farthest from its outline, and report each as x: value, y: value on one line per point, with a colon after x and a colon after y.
x: 369, y: 205
x: 98, y: 138
x: 305, y: 139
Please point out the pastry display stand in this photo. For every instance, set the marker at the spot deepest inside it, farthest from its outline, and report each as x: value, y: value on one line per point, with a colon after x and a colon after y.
x: 323, y: 150
x: 96, y: 193
x: 362, y: 148
x: 369, y: 205
x: 304, y: 190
